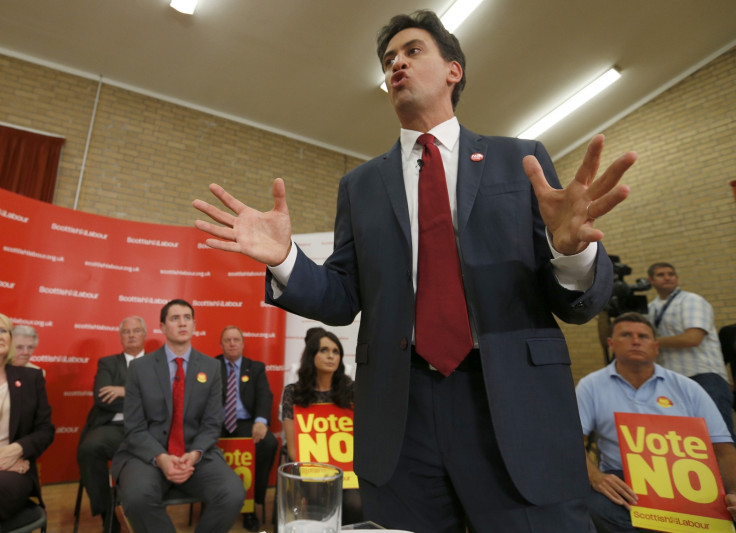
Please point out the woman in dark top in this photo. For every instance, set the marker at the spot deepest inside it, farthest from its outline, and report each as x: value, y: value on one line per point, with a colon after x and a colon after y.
x: 25, y: 427
x: 321, y: 379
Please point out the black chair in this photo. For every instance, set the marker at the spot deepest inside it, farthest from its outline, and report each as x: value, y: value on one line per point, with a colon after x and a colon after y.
x: 78, y: 506
x: 30, y: 518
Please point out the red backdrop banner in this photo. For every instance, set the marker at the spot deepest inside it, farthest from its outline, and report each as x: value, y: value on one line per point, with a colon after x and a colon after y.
x: 74, y: 276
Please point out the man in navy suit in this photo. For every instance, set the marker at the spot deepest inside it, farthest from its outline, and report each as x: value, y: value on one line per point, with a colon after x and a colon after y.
x: 493, y: 446
x: 103, y: 431
x: 253, y: 412
x: 146, y: 465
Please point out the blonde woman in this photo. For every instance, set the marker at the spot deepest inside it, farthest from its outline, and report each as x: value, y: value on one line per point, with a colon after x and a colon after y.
x: 25, y: 427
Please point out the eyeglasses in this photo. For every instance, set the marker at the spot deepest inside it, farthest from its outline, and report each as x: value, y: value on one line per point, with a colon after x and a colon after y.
x: 136, y: 331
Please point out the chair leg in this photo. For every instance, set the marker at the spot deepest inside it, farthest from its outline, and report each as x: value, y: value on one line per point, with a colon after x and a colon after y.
x: 78, y: 506
x: 110, y: 516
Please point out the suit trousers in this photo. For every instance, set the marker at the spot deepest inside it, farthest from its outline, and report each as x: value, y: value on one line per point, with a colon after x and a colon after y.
x: 142, y: 486
x: 451, y: 474
x: 97, y: 448
x: 266, y: 450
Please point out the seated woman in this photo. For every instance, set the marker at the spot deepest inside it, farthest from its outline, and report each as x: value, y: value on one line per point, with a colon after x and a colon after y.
x: 322, y: 379
x: 25, y: 435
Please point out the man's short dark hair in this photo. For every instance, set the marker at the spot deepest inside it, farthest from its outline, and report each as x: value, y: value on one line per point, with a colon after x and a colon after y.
x: 633, y: 317
x: 177, y: 301
x: 426, y: 20
x: 655, y: 266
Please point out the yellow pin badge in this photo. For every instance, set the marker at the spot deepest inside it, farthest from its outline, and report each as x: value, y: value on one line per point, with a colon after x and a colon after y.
x: 202, y: 377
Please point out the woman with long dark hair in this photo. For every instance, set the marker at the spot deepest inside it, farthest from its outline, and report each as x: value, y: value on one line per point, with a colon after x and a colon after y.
x: 321, y: 379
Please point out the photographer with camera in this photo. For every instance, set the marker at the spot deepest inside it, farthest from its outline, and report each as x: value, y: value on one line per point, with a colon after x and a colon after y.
x: 688, y: 342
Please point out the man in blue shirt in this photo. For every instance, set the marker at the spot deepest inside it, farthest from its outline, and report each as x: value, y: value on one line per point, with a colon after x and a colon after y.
x: 633, y: 383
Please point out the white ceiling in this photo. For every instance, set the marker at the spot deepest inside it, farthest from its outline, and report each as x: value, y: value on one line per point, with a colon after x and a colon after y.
x: 308, y: 68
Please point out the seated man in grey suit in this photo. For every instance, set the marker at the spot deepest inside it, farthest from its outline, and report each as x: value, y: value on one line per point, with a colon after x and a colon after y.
x: 103, y: 432
x: 173, y: 418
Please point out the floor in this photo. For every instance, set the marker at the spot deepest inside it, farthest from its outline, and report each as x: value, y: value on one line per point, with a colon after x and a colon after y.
x: 60, y: 499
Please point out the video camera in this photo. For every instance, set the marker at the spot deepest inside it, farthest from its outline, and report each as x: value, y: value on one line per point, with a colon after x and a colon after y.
x: 623, y: 299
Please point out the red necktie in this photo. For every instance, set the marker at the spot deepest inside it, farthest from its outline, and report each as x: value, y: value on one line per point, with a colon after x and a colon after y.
x: 231, y: 400
x: 176, y: 433
x: 442, y: 329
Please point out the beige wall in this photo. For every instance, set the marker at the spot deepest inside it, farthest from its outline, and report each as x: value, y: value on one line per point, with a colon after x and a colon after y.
x: 148, y: 159
x: 681, y: 208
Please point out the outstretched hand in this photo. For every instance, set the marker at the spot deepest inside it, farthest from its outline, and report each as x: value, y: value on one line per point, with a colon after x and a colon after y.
x: 265, y: 237
x: 569, y: 213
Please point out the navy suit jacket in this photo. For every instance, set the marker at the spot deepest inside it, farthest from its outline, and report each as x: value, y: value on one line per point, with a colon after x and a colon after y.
x: 30, y: 416
x: 149, y: 404
x: 512, y: 294
x: 255, y: 393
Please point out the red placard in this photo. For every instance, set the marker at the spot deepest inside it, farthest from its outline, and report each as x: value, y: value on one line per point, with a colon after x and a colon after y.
x: 670, y: 464
x: 240, y: 454
x: 324, y: 434
x: 74, y: 276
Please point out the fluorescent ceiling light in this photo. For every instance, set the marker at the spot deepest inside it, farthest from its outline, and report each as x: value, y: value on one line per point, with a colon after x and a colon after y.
x: 453, y: 17
x: 184, y: 6
x: 570, y: 105
x: 457, y: 13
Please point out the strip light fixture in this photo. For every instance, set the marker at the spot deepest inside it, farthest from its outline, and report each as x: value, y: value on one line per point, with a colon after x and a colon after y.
x: 453, y: 17
x: 571, y: 104
x: 184, y: 6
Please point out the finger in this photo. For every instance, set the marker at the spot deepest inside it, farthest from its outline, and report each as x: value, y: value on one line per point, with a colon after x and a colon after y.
x: 232, y: 203
x: 213, y: 212
x: 222, y: 232
x: 279, y: 196
x: 612, y: 175
x: 536, y: 175
x: 608, y: 201
x: 587, y: 171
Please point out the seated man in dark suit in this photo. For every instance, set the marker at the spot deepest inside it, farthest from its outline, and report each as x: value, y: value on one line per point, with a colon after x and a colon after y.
x: 251, y: 411
x: 103, y: 432
x: 173, y: 418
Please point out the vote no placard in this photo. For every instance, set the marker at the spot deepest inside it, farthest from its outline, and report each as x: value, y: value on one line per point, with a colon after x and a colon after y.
x: 670, y: 464
x: 239, y: 454
x: 324, y: 433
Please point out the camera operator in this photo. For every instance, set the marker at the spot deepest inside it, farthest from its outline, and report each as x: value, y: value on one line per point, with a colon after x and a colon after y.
x: 688, y: 342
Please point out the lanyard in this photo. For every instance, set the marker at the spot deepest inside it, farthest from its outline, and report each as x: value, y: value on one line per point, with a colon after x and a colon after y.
x: 658, y: 317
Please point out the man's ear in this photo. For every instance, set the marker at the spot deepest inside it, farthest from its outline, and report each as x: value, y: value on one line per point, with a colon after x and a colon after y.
x: 455, y: 72
x: 610, y: 342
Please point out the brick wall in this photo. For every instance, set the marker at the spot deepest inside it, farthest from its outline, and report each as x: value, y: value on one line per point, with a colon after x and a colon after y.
x: 681, y: 208
x: 149, y: 158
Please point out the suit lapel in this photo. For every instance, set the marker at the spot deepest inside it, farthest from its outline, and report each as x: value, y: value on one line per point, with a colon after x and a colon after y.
x: 14, y: 396
x: 191, y: 377
x: 392, y: 174
x: 161, y: 367
x: 469, y: 173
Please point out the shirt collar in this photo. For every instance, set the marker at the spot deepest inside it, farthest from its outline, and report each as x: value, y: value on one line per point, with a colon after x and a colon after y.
x: 170, y: 356
x: 613, y: 373
x: 129, y: 358
x: 447, y: 133
x: 237, y: 362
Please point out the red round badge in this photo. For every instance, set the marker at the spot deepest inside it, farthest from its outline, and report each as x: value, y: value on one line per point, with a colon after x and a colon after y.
x: 476, y: 157
x: 17, y: 383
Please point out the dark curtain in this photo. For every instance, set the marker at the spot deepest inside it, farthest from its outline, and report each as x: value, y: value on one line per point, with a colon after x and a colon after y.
x: 29, y: 163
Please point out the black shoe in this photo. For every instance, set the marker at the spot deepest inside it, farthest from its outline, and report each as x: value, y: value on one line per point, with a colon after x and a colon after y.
x: 250, y: 522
